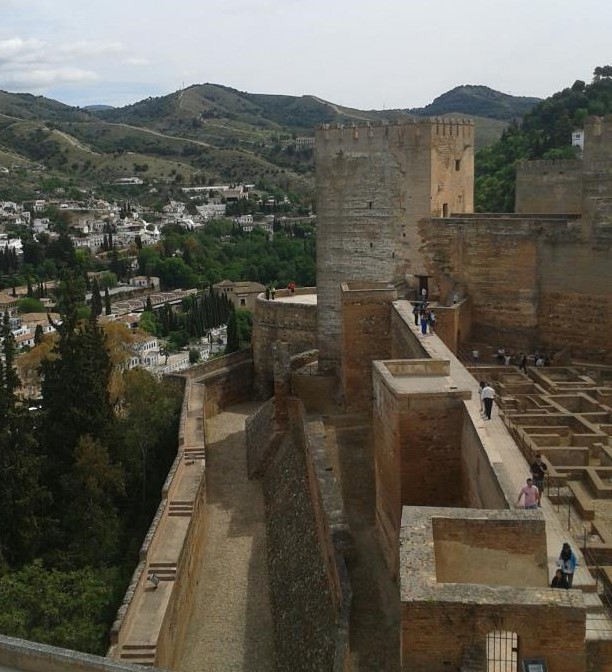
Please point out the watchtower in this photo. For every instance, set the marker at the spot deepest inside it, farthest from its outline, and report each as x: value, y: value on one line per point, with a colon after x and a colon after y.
x: 374, y: 184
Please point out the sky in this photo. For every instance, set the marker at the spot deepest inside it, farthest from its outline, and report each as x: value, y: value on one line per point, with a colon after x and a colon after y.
x: 380, y: 54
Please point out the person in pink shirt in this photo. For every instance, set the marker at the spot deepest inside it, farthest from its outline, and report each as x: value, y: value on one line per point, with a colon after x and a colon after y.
x: 531, y: 495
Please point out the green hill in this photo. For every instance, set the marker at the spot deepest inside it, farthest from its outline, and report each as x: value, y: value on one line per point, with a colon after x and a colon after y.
x: 477, y: 101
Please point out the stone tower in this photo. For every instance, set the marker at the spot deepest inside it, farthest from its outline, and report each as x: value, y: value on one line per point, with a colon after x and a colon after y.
x: 374, y: 184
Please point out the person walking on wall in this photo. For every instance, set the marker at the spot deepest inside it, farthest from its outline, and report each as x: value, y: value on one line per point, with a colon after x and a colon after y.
x: 559, y: 580
x: 538, y: 471
x: 415, y: 312
x: 523, y: 363
x: 480, y: 389
x: 488, y: 394
x: 273, y: 292
x: 423, y: 323
x: 432, y: 321
x: 567, y: 563
x: 530, y: 494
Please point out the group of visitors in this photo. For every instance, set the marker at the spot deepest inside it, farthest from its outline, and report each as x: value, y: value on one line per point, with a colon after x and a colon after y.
x: 531, y: 494
x: 424, y: 317
x: 539, y: 359
x: 566, y: 567
x: 271, y: 292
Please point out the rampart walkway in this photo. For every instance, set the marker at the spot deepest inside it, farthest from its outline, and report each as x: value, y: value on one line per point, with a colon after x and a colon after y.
x: 231, y: 625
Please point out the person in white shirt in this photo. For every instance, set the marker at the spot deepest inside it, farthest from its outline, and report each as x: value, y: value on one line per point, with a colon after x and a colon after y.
x: 488, y: 394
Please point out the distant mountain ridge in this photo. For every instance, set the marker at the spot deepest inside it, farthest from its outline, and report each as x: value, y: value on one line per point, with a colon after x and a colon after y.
x: 207, y: 132
x: 478, y: 101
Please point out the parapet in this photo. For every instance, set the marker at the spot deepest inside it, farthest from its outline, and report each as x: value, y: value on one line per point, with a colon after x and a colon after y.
x: 356, y: 134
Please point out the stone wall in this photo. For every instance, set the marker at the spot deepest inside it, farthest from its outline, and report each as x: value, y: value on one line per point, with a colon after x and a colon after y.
x: 454, y: 323
x: 549, y: 187
x: 292, y: 323
x: 373, y: 185
x: 307, y: 536
x: 533, y: 282
x: 25, y: 656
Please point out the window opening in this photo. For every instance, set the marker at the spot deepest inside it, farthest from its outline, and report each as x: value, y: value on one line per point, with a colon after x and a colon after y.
x: 502, y: 651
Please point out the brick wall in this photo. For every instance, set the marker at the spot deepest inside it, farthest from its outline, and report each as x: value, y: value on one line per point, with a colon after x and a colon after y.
x: 292, y: 323
x: 366, y: 314
x: 435, y: 634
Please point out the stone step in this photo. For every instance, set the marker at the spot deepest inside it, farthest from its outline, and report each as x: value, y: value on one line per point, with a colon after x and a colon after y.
x: 598, y: 626
x: 593, y: 603
x: 583, y: 500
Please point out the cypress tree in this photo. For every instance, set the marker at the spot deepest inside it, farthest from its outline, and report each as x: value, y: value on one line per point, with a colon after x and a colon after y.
x: 233, y: 340
x: 96, y: 299
x: 107, y: 302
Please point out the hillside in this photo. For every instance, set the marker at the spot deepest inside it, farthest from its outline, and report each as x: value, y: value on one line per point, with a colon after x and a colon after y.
x: 202, y: 134
x: 477, y: 101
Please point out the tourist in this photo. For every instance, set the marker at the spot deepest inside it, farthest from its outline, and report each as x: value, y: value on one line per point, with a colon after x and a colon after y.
x: 480, y: 389
x: 423, y: 295
x: 530, y: 494
x: 423, y: 322
x: 273, y: 292
x: 267, y: 293
x: 432, y: 321
x: 523, y: 363
x: 567, y: 563
x: 488, y: 394
x: 559, y: 580
x: 475, y: 355
x: 507, y: 359
x: 538, y: 471
x: 501, y: 353
x: 415, y: 312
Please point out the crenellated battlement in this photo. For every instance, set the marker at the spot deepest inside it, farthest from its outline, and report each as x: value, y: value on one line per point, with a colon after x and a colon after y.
x: 552, y: 165
x: 400, y: 131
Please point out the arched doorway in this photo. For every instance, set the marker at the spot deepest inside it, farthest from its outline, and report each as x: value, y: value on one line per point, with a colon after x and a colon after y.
x: 502, y: 651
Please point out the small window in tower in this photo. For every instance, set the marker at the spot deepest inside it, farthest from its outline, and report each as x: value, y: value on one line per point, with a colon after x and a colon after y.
x: 445, y: 210
x: 457, y: 164
x: 243, y: 302
x: 369, y: 205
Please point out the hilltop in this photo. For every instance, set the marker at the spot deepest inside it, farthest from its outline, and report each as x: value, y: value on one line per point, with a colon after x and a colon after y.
x: 202, y: 134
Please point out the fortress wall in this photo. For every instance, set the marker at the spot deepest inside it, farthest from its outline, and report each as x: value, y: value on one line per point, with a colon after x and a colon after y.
x: 373, y: 185
x: 454, y: 323
x: 436, y: 632
x: 293, y: 323
x: 546, y: 187
x: 366, y: 313
x: 307, y: 535
x: 531, y: 280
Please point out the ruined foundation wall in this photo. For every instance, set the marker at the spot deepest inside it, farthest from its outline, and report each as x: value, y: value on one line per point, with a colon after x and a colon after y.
x: 306, y: 536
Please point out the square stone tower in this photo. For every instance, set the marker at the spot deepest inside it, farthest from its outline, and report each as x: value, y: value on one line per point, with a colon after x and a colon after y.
x: 374, y: 184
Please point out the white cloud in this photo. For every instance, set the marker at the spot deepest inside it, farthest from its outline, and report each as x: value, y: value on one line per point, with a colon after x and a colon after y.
x: 137, y: 60
x: 90, y: 48
x: 41, y: 78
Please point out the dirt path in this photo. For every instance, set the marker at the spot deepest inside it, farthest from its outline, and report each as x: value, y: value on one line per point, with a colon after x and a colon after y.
x: 231, y: 627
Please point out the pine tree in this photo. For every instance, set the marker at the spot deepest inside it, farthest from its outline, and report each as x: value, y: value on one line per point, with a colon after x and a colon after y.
x: 75, y: 383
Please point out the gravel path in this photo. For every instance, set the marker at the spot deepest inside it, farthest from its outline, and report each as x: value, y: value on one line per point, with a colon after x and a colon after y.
x: 231, y: 627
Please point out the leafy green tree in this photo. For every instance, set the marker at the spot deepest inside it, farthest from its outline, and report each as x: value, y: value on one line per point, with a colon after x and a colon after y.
x: 62, y: 608
x: 30, y: 305
x: 194, y: 356
x: 148, y: 322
